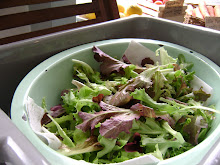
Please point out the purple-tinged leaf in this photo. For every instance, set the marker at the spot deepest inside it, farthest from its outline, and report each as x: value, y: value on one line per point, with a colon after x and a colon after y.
x: 134, y: 146
x: 112, y: 127
x: 194, y: 128
x: 167, y: 118
x: 90, y: 120
x: 65, y: 92
x: 56, y: 107
x: 107, y: 107
x: 114, y: 120
x: 147, y: 60
x: 143, y: 110
x: 45, y: 119
x: 122, y: 96
x: 109, y: 64
x: 55, y: 112
x: 125, y: 59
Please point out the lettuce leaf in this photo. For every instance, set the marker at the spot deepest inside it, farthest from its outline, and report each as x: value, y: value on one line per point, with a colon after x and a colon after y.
x: 115, y: 120
x: 108, y: 145
x: 134, y: 145
x: 194, y: 127
x: 164, y: 57
x: 183, y: 64
x: 143, y: 80
x: 112, y: 127
x: 150, y: 127
x: 89, y: 145
x: 66, y: 140
x: 85, y: 72
x: 75, y: 101
x: 109, y: 64
x: 163, y: 144
x: 159, y: 108
x: 159, y: 80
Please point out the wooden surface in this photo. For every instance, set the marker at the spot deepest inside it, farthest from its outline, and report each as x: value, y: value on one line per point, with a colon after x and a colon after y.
x: 104, y: 10
x: 14, y: 3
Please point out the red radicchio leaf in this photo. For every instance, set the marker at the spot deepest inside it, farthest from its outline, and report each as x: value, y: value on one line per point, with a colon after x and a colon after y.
x: 134, y: 145
x: 109, y: 64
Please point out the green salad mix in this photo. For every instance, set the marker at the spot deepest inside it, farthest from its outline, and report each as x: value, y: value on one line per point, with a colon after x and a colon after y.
x: 125, y: 111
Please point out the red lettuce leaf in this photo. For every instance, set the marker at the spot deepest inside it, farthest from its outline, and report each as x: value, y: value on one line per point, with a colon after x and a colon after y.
x: 112, y: 127
x: 113, y: 120
x: 143, y: 80
x: 194, y: 128
x: 109, y: 64
x: 121, y: 98
x: 134, y: 146
x: 125, y: 59
x: 143, y: 110
x: 55, y: 112
x: 98, y: 98
x: 167, y: 118
x: 90, y: 120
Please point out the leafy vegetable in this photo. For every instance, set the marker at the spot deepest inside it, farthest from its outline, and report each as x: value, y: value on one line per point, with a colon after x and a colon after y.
x: 143, y: 80
x: 66, y: 139
x: 89, y: 145
x: 118, y: 119
x: 165, y: 58
x: 109, y: 64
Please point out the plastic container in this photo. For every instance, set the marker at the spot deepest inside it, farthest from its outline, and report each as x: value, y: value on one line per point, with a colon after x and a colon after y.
x: 18, y: 58
x: 52, y: 76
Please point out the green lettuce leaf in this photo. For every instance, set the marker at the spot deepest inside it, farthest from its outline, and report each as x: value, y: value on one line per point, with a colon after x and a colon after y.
x: 108, y: 145
x: 183, y: 64
x: 150, y: 127
x: 66, y: 140
x: 159, y: 80
x: 85, y: 72
x: 89, y: 145
x: 75, y: 101
x: 165, y: 58
x: 164, y: 108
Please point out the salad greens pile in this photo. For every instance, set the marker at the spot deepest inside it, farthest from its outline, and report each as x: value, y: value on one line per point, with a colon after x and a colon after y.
x: 126, y: 111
